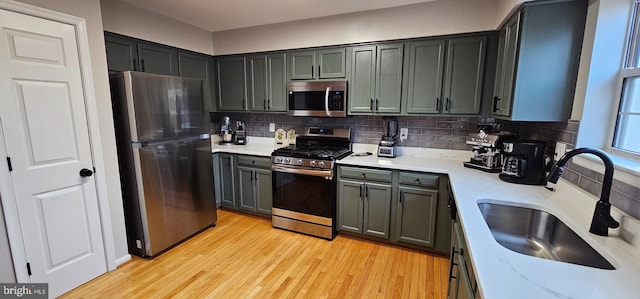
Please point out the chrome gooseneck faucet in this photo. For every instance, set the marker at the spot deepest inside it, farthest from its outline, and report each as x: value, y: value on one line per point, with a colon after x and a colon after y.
x: 602, y: 220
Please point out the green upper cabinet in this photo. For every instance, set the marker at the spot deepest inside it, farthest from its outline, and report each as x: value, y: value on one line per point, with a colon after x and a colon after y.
x: 376, y: 79
x: 266, y: 82
x: 122, y: 53
x: 464, y: 74
x: 193, y: 65
x: 425, y: 69
x: 318, y: 64
x: 257, y: 82
x: 158, y: 59
x: 231, y: 84
x: 538, y: 61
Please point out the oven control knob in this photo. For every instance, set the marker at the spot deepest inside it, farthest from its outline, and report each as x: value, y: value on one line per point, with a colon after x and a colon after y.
x: 312, y: 163
x: 321, y: 164
x: 299, y: 162
x: 287, y: 160
x: 278, y: 159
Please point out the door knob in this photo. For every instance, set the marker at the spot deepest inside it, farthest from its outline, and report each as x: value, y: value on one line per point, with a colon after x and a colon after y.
x: 85, y: 172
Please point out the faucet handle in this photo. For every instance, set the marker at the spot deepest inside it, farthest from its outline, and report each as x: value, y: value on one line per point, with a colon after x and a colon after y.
x: 602, y: 219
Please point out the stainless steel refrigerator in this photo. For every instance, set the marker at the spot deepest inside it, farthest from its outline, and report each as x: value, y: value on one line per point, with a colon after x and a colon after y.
x: 164, y: 154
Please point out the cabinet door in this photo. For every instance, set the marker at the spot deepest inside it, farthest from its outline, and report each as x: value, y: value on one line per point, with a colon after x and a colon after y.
x: 121, y: 53
x: 350, y: 205
x: 245, y: 188
x: 388, y: 78
x: 508, y: 65
x: 263, y: 191
x: 158, y: 59
x: 277, y: 82
x: 303, y: 65
x: 231, y: 84
x: 257, y: 82
x: 363, y: 80
x: 498, y: 83
x: 424, y: 80
x: 416, y: 221
x: 377, y: 210
x: 331, y: 63
x: 226, y: 179
x: 192, y: 65
x: 464, y: 75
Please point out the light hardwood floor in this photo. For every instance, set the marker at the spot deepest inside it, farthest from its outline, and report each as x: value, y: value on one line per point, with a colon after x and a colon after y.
x: 243, y: 257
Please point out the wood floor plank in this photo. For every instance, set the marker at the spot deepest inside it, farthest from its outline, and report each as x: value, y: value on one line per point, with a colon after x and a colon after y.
x: 244, y: 257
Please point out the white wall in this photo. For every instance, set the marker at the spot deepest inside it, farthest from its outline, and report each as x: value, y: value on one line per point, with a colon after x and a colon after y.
x: 122, y: 18
x: 418, y: 20
x: 601, y: 59
x: 505, y: 8
x: 90, y: 11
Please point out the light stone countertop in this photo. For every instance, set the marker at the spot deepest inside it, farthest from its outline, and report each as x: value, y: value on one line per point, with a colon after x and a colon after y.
x: 256, y: 146
x: 502, y: 273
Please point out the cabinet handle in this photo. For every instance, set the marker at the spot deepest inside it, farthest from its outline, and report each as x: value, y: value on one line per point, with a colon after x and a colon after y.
x: 438, y: 102
x: 251, y: 176
x: 366, y: 192
x: 268, y: 104
x: 319, y: 70
x: 447, y: 105
x: 495, y: 104
x: 265, y: 104
x: 255, y: 176
x: 360, y: 187
x: 311, y: 70
x: 142, y: 64
x: 453, y: 263
x: 371, y: 104
x: 376, y: 105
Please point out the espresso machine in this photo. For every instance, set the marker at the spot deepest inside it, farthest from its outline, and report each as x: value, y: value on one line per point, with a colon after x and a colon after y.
x: 525, y: 162
x: 387, y: 146
x: 487, y: 147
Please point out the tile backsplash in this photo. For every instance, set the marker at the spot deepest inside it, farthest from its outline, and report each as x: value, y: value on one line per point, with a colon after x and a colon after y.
x: 623, y: 196
x: 447, y: 132
x: 444, y: 132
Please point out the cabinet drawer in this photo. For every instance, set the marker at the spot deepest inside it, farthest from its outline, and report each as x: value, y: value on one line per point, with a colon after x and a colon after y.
x: 365, y: 174
x: 419, y: 179
x: 254, y: 161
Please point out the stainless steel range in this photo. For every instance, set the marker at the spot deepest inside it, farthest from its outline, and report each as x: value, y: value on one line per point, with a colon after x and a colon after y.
x: 304, y: 181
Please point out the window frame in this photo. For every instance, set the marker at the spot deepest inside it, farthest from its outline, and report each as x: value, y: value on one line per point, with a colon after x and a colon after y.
x: 630, y: 68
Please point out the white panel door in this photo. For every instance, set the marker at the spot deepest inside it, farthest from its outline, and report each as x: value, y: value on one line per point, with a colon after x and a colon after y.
x: 47, y: 139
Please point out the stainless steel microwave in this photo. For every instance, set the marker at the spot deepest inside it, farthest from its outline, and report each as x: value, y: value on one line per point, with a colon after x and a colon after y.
x: 317, y: 98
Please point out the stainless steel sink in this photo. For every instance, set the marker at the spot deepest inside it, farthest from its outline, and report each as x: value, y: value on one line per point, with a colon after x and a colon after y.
x: 539, y: 234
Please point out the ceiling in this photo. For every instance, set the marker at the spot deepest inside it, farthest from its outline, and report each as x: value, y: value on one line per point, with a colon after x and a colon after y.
x: 219, y: 15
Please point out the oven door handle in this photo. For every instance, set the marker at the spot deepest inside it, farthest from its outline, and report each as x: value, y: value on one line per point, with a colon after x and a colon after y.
x: 326, y: 101
x: 326, y: 174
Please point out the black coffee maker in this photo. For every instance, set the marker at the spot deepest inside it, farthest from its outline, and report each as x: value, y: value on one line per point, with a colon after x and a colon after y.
x: 524, y: 162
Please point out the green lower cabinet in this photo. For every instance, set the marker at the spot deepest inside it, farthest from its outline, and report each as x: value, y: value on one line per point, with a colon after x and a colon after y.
x: 224, y: 177
x: 264, y: 196
x: 364, y: 208
x: 405, y: 208
x: 246, y: 188
x: 377, y: 210
x: 254, y: 184
x: 350, y: 206
x: 416, y: 220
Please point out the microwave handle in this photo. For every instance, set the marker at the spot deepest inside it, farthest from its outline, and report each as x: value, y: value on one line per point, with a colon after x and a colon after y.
x: 326, y: 101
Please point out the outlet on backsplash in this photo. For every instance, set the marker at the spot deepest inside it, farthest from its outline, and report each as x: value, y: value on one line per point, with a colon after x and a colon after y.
x: 560, y: 150
x: 404, y: 134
